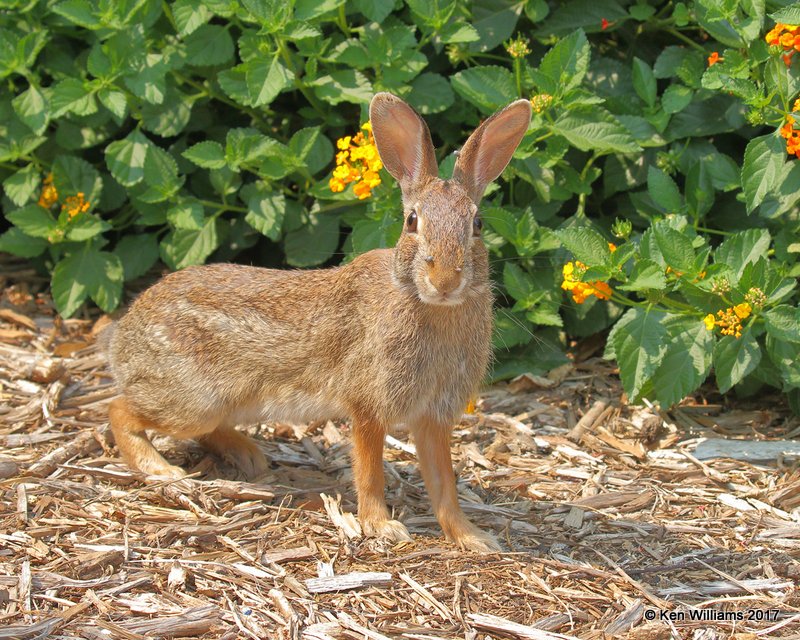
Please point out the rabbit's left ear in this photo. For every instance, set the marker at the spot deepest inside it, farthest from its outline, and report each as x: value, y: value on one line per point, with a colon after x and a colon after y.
x: 404, y: 143
x: 489, y: 149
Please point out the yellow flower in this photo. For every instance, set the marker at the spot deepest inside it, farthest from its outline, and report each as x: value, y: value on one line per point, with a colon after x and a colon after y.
x: 756, y: 297
x: 357, y: 161
x: 743, y: 310
x: 74, y: 205
x: 540, y: 102
x: 612, y: 247
x: 710, y: 321
x: 49, y: 195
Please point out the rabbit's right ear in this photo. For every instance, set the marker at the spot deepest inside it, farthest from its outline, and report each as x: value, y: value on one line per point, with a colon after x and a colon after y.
x: 404, y: 143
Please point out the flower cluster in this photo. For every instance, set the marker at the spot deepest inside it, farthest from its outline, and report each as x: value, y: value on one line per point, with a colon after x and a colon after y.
x: 755, y: 297
x: 540, y: 102
x: 786, y: 36
x: 74, y: 205
x: 49, y: 195
x: 357, y: 161
x: 729, y: 320
x: 790, y: 134
x: 572, y: 272
x: 518, y: 48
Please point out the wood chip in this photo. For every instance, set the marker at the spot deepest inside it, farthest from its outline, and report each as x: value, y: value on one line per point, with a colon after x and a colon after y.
x: 348, y: 581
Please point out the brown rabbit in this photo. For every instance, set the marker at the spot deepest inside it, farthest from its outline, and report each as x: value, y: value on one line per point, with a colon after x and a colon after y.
x: 396, y: 336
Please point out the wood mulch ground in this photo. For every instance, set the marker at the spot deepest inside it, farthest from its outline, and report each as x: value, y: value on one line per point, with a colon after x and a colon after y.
x: 619, y: 521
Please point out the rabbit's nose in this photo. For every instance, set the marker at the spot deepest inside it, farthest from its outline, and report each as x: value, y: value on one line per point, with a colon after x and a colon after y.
x: 445, y: 280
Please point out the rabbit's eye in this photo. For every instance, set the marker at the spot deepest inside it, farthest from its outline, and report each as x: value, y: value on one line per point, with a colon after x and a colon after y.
x: 411, y: 222
x: 477, y: 225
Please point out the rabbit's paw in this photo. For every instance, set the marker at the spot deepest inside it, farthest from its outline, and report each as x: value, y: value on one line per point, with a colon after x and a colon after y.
x: 237, y: 449
x: 162, y: 468
x: 477, y: 540
x: 391, y: 530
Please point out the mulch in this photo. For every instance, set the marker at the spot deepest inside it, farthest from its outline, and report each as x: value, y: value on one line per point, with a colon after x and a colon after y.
x: 620, y: 521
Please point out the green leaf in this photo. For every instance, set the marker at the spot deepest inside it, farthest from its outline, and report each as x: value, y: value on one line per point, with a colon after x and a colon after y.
x: 638, y: 340
x: 207, y: 154
x: 734, y: 358
x: 675, y: 247
x: 314, y: 243
x: 125, y: 158
x: 343, y: 86
x: 266, y: 210
x: 787, y: 15
x: 306, y: 10
x: 183, y: 248
x: 313, y: 148
x: 676, y: 98
x: 72, y: 176
x: 88, y: 272
x: 494, y: 20
x: 743, y: 248
x: 784, y: 356
x: 663, y: 190
x: 85, y: 226
x: 209, y: 45
x: 783, y: 323
x: 764, y: 158
x: 187, y: 215
x: 17, y: 243
x: 21, y: 186
x: 595, y: 130
x: 646, y: 274
x: 80, y: 12
x: 519, y: 285
x: 430, y: 93
x: 686, y: 361
x: 567, y: 62
x: 459, y: 33
x: 115, y: 102
x: 586, y: 245
x: 266, y: 79
x: 137, y: 253
x: 33, y: 220
x: 170, y: 118
x: 190, y: 15
x: 375, y: 10
x: 699, y: 190
x: 70, y: 96
x: 32, y: 108
x: 160, y: 175
x: 644, y: 82
x: 488, y: 87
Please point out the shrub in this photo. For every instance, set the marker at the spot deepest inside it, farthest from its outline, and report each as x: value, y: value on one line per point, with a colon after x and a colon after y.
x: 655, y: 193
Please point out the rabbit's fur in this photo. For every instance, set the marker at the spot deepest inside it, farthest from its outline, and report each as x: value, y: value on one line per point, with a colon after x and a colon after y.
x: 398, y: 335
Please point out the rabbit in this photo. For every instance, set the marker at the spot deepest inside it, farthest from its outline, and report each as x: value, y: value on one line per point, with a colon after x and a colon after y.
x: 395, y: 336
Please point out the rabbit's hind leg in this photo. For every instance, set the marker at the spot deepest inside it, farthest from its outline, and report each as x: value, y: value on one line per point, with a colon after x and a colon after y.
x: 373, y: 514
x: 133, y: 443
x: 433, y: 451
x: 237, y: 449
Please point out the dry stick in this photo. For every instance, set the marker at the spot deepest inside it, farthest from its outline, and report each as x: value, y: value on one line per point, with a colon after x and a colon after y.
x: 347, y: 581
x: 658, y: 602
x: 496, y: 623
x: 84, y: 444
x: 588, y: 419
x: 348, y: 623
x: 708, y: 472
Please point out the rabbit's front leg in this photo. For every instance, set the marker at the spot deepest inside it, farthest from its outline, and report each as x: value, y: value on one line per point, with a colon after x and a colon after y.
x: 133, y: 443
x: 373, y: 514
x: 433, y: 452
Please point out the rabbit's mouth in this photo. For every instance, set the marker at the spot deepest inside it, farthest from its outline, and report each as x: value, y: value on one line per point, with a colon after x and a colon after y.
x: 429, y: 294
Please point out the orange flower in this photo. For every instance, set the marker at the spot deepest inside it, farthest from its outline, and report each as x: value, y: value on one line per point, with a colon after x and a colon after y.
x: 49, y: 195
x: 604, y: 24
x: 787, y: 37
x: 714, y: 59
x: 74, y: 205
x: 572, y: 273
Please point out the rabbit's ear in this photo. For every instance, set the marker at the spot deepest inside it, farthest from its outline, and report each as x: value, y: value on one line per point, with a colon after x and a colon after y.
x: 403, y: 141
x: 490, y: 147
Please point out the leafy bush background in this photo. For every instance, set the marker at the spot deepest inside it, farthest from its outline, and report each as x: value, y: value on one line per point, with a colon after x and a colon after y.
x: 202, y: 131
